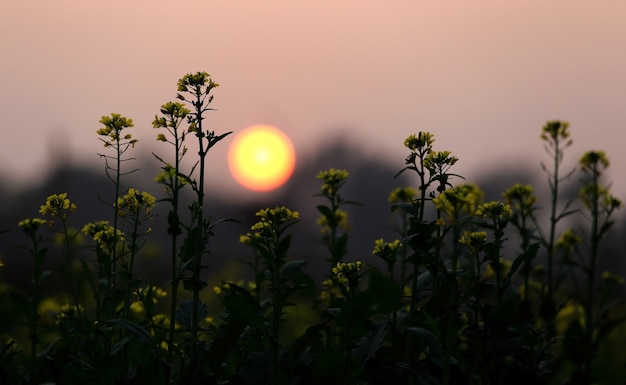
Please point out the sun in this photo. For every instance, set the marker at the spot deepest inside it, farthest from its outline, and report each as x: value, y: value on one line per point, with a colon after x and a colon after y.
x: 261, y: 158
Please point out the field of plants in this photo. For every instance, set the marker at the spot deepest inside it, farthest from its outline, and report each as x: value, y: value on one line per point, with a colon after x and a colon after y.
x: 447, y: 308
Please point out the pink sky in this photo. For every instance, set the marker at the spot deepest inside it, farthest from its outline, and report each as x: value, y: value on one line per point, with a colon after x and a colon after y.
x: 483, y: 76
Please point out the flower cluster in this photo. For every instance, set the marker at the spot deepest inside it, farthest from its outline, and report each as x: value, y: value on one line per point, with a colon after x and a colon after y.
x: 423, y: 140
x: 555, y: 130
x: 346, y: 275
x: 174, y: 113
x: 461, y: 200
x: 272, y: 221
x: 57, y: 205
x: 347, y: 269
x: 113, y: 127
x: 135, y: 202
x: 330, y: 290
x: 103, y: 233
x: 474, y: 240
x: 333, y: 180
x: 31, y: 225
x: 386, y: 250
x: 167, y: 176
x: 568, y: 240
x: 438, y: 163
x: 340, y: 219
x: 590, y: 192
x: 594, y: 161
x: 521, y: 198
x: 497, y: 211
x: 402, y: 194
x: 197, y: 80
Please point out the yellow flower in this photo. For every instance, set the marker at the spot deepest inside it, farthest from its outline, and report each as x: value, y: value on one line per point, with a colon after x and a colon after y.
x: 30, y: 226
x: 384, y: 249
x: 495, y: 210
x: 594, y: 160
x: 196, y: 81
x: 572, y: 311
x: 461, y: 200
x: 568, y: 240
x: 474, y: 240
x: 134, y: 202
x: 57, y: 205
x: 420, y: 141
x: 137, y: 307
x: 333, y: 180
x: 611, y: 278
x: 103, y: 233
x: 346, y: 268
x: 555, y: 129
x: 340, y: 219
x: 521, y: 198
x: 439, y: 162
x: 402, y: 194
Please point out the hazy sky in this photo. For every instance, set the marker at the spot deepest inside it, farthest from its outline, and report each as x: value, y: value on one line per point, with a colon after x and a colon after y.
x: 483, y: 76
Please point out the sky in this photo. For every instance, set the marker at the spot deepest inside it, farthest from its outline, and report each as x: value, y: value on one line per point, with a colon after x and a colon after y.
x: 483, y: 76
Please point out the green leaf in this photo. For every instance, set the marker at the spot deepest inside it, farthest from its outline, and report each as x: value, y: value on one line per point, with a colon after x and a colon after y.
x: 369, y: 344
x: 384, y: 291
x: 241, y: 305
x: 119, y: 345
x: 184, y: 313
x: 89, y: 276
x: 527, y: 256
x: 193, y: 244
x: 289, y: 269
x: 426, y: 338
x: 325, y: 211
x: 133, y: 328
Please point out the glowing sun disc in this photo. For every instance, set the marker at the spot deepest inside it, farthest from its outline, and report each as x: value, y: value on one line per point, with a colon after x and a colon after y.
x: 261, y: 158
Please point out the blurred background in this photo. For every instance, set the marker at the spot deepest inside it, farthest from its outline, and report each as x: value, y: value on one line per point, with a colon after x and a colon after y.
x: 347, y: 81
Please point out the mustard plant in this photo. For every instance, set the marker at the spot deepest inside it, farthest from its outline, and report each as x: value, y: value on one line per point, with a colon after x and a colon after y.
x: 174, y: 114
x: 194, y: 90
x: 425, y: 236
x: 114, y: 135
x: 31, y: 228
x: 522, y: 199
x: 334, y: 220
x: 600, y: 205
x: 135, y: 208
x: 402, y: 195
x: 556, y: 135
x: 58, y: 207
x: 268, y: 237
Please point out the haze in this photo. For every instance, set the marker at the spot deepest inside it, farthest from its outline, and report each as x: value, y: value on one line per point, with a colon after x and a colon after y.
x: 483, y: 76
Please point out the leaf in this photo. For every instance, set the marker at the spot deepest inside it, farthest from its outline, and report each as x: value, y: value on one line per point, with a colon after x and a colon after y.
x: 406, y: 208
x: 425, y: 337
x: 119, y: 345
x: 324, y: 210
x: 89, y: 276
x: 369, y: 344
x: 133, y: 328
x: 289, y: 269
x: 241, y: 305
x: 193, y: 245
x: 184, y: 313
x: 384, y: 291
x: 527, y: 256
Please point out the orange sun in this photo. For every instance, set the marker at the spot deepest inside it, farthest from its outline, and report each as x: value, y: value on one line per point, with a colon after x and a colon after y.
x: 261, y: 158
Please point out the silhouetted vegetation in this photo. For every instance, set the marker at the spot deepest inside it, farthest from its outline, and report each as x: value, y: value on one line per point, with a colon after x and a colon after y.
x: 349, y: 275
